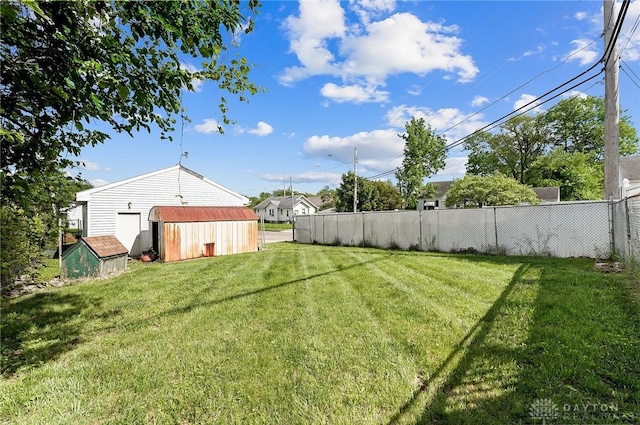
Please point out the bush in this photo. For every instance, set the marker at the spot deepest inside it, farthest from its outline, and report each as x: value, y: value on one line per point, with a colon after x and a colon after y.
x: 19, y: 254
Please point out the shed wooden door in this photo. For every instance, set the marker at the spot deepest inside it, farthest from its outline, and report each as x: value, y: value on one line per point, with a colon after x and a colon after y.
x: 128, y: 232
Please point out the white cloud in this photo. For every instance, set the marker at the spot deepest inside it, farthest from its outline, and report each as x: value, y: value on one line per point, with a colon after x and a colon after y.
x: 208, y: 126
x: 440, y: 120
x: 262, y: 129
x: 525, y: 99
x: 370, y: 50
x: 90, y: 165
x: 575, y: 93
x: 536, y: 51
x: 415, y: 90
x: 309, y: 177
x: 368, y: 9
x: 403, y: 43
x: 585, y: 52
x: 308, y: 34
x: 378, y: 150
x: 479, y: 101
x: 353, y: 93
x: 99, y: 182
x: 196, y: 82
x: 455, y: 166
x: 628, y: 40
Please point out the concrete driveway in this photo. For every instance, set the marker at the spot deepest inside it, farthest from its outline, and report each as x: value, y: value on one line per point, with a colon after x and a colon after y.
x: 271, y: 237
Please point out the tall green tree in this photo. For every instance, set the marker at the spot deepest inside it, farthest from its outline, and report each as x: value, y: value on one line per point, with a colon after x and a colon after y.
x: 518, y: 144
x: 576, y: 124
x: 372, y: 195
x: 66, y: 64
x: 494, y: 190
x: 424, y: 155
x: 577, y: 175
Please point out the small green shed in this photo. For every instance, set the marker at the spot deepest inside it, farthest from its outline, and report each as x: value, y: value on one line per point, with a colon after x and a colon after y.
x: 94, y: 256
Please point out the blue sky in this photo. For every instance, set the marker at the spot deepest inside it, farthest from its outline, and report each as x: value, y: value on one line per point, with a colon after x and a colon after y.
x: 339, y: 75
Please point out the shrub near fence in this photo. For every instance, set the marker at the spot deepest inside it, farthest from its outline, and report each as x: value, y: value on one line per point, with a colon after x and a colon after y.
x: 567, y: 229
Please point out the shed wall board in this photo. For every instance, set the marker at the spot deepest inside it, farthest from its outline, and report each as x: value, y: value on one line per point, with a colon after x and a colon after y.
x: 144, y: 193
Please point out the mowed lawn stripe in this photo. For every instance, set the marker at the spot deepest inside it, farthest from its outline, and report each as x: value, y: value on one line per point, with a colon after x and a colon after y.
x: 314, y: 334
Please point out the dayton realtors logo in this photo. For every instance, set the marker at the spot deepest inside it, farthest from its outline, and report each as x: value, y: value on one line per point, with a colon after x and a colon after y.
x: 544, y: 411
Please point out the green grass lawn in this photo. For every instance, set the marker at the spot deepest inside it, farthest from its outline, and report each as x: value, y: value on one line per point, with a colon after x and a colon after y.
x: 276, y: 227
x: 306, y: 334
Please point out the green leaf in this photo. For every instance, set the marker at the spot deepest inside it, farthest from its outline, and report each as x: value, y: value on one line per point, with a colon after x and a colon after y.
x: 123, y: 92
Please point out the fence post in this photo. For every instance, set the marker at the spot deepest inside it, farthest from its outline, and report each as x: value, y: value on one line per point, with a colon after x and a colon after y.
x: 420, y: 221
x: 628, y: 227
x: 495, y: 228
x: 612, y: 244
x: 363, y: 244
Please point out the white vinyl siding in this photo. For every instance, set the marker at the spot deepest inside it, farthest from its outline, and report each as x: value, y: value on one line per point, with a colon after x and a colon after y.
x: 140, y: 195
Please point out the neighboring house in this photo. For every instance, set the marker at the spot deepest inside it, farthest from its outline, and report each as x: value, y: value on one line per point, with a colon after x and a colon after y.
x: 122, y: 208
x: 544, y: 194
x: 436, y: 202
x: 278, y: 208
x: 547, y: 194
x: 630, y: 175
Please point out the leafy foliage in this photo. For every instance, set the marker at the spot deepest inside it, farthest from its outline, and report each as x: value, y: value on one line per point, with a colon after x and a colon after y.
x: 68, y: 65
x: 424, y: 155
x: 520, y: 141
x: 577, y: 125
x: 494, y: 190
x: 577, y: 175
x: 372, y: 195
x: 65, y: 64
x: 562, y: 147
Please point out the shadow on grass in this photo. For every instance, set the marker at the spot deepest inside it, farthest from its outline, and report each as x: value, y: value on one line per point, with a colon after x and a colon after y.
x: 559, y: 332
x: 37, y: 329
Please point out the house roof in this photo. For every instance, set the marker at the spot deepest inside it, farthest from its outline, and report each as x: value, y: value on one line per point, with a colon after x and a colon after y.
x: 283, y: 202
x: 184, y: 214
x: 316, y: 201
x: 547, y: 194
x: 104, y: 246
x: 443, y: 187
x: 85, y: 195
x: 630, y: 167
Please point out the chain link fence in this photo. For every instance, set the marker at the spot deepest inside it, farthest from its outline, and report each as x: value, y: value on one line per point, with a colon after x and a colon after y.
x: 625, y: 229
x: 568, y: 229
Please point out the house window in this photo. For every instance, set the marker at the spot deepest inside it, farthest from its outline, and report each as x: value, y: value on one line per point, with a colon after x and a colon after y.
x: 287, y: 213
x: 271, y: 212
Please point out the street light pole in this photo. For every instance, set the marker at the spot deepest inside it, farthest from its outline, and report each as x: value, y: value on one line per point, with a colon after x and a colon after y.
x: 355, y: 179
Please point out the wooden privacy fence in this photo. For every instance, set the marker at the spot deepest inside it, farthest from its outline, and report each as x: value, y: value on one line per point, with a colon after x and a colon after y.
x: 565, y: 229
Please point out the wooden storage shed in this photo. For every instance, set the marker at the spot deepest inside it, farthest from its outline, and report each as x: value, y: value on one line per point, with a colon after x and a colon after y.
x: 95, y: 256
x: 185, y: 232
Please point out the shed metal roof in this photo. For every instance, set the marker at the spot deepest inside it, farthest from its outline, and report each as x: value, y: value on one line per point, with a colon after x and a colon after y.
x: 184, y: 214
x: 105, y: 246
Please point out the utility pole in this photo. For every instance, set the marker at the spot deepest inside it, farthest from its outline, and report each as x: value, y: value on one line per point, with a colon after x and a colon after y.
x: 355, y: 179
x: 611, y: 108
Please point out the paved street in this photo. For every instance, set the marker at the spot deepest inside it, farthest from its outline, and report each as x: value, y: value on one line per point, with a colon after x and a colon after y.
x: 271, y: 237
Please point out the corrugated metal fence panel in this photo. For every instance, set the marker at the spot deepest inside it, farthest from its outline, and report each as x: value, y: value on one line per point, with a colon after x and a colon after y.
x: 560, y: 230
x: 633, y: 213
x: 464, y: 229
x: 304, y: 228
x: 350, y: 229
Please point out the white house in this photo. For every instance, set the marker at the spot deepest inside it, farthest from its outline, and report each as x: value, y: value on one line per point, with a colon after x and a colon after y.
x: 278, y: 208
x: 122, y: 208
x: 630, y: 175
